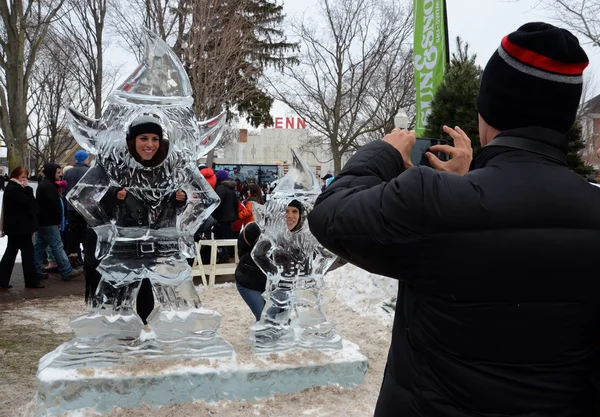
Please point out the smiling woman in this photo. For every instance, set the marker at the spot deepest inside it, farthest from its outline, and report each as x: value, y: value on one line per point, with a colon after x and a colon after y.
x: 145, y: 141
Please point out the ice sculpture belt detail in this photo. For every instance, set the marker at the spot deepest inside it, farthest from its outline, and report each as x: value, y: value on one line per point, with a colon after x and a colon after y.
x: 147, y: 230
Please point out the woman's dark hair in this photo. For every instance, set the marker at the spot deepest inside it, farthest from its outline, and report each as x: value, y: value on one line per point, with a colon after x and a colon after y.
x: 255, y: 191
x: 18, y: 171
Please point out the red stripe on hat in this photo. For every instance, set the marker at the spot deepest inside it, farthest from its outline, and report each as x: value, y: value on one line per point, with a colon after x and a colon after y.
x: 542, y: 62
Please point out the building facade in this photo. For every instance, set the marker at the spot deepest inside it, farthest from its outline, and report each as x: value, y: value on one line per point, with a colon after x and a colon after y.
x: 590, y: 126
x: 271, y: 147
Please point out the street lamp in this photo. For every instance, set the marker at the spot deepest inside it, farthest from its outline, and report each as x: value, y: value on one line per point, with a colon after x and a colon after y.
x: 401, y: 119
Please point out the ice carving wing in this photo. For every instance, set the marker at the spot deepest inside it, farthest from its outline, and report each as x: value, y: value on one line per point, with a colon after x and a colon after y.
x: 210, y: 133
x: 83, y: 129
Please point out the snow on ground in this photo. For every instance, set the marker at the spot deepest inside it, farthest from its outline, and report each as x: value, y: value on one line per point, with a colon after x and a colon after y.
x: 354, y: 302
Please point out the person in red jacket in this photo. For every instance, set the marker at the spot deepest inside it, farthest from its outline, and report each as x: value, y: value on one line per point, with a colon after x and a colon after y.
x: 246, y: 215
x: 209, y: 175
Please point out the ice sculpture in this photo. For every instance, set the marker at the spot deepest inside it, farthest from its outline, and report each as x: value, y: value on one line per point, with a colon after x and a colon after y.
x: 294, y: 263
x: 143, y: 221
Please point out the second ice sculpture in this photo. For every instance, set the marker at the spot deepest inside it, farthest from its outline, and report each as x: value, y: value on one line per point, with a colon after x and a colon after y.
x: 144, y: 198
x: 294, y: 262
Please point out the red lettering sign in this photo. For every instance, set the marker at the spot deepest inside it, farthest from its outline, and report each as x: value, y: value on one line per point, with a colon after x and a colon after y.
x: 290, y: 123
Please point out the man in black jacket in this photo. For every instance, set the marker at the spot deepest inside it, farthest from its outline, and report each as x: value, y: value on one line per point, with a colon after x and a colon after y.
x: 49, y: 219
x: 77, y: 224
x: 498, y: 304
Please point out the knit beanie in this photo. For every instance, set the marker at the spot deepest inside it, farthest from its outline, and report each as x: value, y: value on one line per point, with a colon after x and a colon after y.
x: 534, y: 78
x: 81, y: 156
x: 144, y: 124
x: 222, y: 175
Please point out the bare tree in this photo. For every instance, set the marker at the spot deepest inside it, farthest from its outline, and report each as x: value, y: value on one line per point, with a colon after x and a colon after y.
x: 52, y: 86
x: 79, y: 37
x: 580, y: 16
x: 169, y: 19
x: 23, y: 27
x: 355, y: 72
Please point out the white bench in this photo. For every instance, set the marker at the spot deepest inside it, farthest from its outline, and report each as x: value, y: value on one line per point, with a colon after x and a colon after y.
x: 213, y: 269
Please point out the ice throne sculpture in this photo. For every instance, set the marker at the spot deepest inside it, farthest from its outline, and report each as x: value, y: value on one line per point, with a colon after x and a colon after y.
x: 157, y: 247
x: 294, y: 262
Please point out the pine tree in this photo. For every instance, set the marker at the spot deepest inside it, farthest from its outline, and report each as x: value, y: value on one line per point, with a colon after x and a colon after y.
x: 576, y: 144
x: 233, y: 43
x: 455, y: 101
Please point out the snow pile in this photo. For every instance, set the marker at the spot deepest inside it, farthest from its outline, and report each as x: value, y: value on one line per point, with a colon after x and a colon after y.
x: 365, y: 293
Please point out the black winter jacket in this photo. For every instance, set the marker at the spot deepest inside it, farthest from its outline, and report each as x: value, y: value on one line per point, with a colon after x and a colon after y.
x: 499, y: 302
x: 73, y: 176
x: 19, y: 212
x: 131, y: 212
x: 227, y: 211
x: 247, y: 274
x: 48, y: 199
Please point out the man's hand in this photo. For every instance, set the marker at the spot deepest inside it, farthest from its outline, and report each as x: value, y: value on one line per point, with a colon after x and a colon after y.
x: 180, y: 196
x: 121, y: 194
x: 461, y: 154
x: 403, y: 141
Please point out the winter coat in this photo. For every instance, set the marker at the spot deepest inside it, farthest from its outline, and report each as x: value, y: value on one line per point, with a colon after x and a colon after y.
x: 131, y: 212
x: 48, y: 199
x: 499, y: 301
x: 227, y: 212
x: 73, y: 176
x: 247, y: 274
x: 19, y: 211
x: 246, y: 215
x: 209, y: 174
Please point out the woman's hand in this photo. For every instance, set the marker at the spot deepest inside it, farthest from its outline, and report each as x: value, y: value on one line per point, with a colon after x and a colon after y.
x: 180, y: 196
x: 121, y: 194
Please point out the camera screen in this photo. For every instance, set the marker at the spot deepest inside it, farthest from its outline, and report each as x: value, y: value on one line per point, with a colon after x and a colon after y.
x: 417, y: 155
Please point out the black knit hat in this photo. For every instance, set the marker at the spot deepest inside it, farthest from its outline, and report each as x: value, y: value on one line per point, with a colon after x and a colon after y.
x: 535, y: 78
x: 144, y: 124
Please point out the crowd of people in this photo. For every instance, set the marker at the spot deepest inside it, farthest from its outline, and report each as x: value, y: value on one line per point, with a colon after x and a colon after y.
x: 44, y: 228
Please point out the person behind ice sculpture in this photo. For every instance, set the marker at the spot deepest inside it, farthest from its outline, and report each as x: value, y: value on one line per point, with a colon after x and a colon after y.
x: 147, y: 146
x: 250, y: 280
x: 292, y: 263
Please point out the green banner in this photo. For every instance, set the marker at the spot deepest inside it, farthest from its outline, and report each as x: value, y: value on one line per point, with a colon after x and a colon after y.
x: 430, y: 49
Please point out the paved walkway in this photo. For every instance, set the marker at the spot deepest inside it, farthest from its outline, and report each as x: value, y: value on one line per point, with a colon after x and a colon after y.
x: 56, y: 287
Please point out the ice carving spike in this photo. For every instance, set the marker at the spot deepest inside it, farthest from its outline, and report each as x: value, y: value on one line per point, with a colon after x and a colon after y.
x: 299, y: 180
x: 159, y: 77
